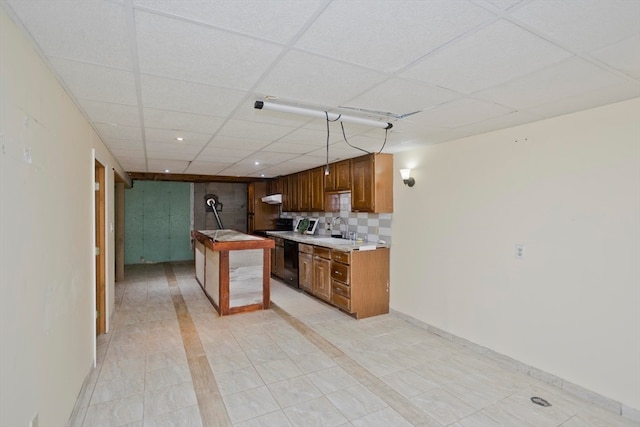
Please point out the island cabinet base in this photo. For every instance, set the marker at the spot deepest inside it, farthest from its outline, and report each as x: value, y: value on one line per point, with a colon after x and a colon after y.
x: 233, y: 269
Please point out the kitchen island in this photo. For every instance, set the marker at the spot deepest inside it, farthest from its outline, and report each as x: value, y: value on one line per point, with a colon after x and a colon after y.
x: 233, y: 269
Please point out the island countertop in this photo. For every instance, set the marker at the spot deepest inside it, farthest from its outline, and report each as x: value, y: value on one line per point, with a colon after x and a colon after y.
x: 328, y: 242
x: 220, y: 240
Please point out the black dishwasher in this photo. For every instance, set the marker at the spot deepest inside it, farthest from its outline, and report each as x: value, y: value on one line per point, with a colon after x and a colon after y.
x: 291, y: 263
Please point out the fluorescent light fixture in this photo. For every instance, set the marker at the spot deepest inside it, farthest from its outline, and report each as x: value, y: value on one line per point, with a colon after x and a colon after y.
x: 406, y: 177
x: 265, y: 105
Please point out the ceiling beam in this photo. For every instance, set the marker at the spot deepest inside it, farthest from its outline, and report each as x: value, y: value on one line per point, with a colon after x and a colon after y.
x: 151, y: 176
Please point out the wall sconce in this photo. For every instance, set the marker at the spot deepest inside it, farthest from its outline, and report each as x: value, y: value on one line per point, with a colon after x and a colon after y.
x: 406, y: 177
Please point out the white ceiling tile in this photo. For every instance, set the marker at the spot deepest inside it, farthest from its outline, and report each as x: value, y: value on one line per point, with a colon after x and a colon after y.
x: 133, y: 164
x: 385, y: 35
x: 495, y: 54
x: 174, y: 166
x: 503, y: 4
x: 566, y: 79
x: 128, y: 152
x: 96, y: 83
x: 206, y: 168
x: 234, y: 143
x: 118, y: 132
x: 168, y: 155
x: 163, y: 119
x: 624, y: 56
x: 252, y: 130
x: 104, y: 112
x: 317, y: 80
x: 585, y: 25
x: 414, y: 97
x: 124, y: 144
x: 270, y: 158
x: 459, y: 113
x: 169, y: 136
x: 281, y: 169
x: 188, y: 150
x: 176, y: 95
x: 277, y: 20
x: 94, y: 32
x: 223, y: 155
x: 289, y: 147
x: 179, y: 50
x: 312, y: 137
x: 237, y: 170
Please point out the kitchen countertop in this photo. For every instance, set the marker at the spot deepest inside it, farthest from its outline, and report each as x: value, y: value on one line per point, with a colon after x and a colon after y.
x: 328, y: 242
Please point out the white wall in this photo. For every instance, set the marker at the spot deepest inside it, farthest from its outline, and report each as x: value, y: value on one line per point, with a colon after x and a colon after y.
x: 47, y: 293
x: 569, y: 190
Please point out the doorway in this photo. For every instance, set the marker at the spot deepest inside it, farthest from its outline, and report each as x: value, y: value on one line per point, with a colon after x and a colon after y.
x: 100, y: 250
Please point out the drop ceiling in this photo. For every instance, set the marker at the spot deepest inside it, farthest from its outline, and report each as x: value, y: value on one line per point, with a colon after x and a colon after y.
x: 145, y: 72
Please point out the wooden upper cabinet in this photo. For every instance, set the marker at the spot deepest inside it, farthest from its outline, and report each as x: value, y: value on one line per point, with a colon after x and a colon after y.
x: 294, y: 193
x: 339, y: 178
x: 317, y: 189
x: 275, y: 186
x: 284, y: 188
x: 372, y: 183
x: 304, y: 191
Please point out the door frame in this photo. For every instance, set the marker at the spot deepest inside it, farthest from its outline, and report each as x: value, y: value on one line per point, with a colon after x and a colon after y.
x: 100, y: 247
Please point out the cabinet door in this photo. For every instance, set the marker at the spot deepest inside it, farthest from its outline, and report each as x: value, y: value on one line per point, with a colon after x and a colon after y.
x: 343, y: 175
x: 286, y: 196
x: 322, y: 278
x: 362, y: 184
x: 304, y: 191
x: 317, y: 189
x: 294, y: 193
x: 305, y: 265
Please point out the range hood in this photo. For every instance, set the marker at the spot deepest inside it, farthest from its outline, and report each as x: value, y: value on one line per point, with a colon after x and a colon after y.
x: 274, y: 199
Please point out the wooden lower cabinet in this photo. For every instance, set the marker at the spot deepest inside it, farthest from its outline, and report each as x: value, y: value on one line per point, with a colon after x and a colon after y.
x: 277, y: 258
x: 360, y: 282
x: 305, y: 267
x: 357, y: 282
x: 322, y: 273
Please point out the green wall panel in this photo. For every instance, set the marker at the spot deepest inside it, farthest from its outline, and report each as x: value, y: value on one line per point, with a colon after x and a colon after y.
x: 157, y: 219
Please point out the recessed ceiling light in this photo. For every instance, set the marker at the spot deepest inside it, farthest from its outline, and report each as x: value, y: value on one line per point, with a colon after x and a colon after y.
x: 166, y: 170
x: 256, y: 163
x: 179, y: 138
x: 262, y: 175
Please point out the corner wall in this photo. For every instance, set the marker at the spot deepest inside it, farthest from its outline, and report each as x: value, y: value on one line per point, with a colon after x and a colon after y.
x: 566, y: 188
x: 47, y: 289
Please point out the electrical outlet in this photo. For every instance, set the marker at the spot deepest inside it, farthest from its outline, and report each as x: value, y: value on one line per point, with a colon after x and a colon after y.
x: 519, y: 251
x: 27, y: 155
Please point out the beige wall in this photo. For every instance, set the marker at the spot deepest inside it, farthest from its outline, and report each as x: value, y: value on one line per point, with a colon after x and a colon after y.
x: 568, y: 189
x: 47, y: 294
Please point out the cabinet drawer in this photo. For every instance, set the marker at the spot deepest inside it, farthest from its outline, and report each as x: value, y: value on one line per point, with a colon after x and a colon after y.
x: 307, y: 249
x: 341, y: 302
x: 322, y: 252
x: 340, y: 256
x: 340, y: 272
x: 340, y: 289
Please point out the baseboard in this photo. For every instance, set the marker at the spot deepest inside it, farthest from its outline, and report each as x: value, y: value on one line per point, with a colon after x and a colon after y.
x: 571, y: 388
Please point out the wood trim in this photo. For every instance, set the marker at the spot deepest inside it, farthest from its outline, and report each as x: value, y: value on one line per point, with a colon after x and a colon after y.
x: 224, y: 283
x: 151, y: 176
x: 266, y: 278
x: 100, y: 259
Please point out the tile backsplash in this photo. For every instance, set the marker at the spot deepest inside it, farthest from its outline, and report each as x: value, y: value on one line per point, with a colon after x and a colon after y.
x: 370, y: 227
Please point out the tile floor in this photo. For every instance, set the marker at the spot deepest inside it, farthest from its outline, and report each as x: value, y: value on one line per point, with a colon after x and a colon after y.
x: 171, y: 361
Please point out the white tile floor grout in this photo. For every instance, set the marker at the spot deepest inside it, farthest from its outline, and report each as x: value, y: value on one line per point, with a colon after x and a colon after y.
x: 302, y: 363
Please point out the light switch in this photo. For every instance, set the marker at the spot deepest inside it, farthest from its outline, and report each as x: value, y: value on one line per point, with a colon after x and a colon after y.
x: 519, y: 251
